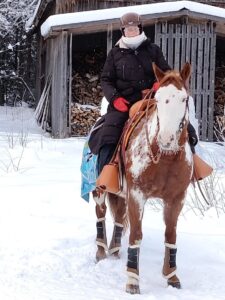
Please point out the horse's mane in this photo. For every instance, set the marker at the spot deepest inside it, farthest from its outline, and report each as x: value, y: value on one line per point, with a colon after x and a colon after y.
x: 174, y: 78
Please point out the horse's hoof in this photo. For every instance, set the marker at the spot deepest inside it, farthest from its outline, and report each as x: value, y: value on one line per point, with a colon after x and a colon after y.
x: 100, y: 255
x: 132, y: 289
x: 176, y: 285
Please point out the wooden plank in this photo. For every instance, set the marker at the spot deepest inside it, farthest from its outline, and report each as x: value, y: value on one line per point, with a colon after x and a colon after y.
x: 197, y: 84
x: 164, y: 39
x: 170, y: 46
x: 70, y: 65
x: 212, y: 82
x: 205, y: 87
x: 59, y: 88
x: 183, y: 44
x: 54, y: 96
x: 193, y: 49
x: 157, y: 34
x: 109, y: 37
x: 177, y: 47
x: 188, y: 44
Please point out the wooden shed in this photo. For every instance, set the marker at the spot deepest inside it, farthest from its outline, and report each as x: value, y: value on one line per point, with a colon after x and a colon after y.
x: 185, y: 30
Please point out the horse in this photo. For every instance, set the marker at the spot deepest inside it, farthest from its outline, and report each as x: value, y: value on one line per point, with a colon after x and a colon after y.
x: 158, y: 164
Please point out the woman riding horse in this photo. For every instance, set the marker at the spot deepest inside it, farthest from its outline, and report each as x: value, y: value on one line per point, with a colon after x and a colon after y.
x: 126, y: 73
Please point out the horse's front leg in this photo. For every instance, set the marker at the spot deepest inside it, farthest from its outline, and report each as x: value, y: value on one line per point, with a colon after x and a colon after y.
x: 118, y: 209
x: 135, y: 212
x: 101, y: 238
x: 171, y: 213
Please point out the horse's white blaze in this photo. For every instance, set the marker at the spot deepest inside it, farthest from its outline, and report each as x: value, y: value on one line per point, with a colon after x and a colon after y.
x: 138, y: 197
x: 139, y: 149
x: 171, y: 106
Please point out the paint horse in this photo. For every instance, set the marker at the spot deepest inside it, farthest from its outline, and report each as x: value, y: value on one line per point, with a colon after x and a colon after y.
x: 158, y: 164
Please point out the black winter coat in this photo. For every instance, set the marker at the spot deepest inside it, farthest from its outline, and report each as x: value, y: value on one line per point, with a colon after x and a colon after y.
x: 125, y: 74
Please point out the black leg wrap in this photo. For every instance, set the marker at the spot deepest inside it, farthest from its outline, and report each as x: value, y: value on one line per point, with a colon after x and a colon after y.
x: 172, y: 260
x: 133, y: 257
x: 100, y: 230
x: 118, y: 234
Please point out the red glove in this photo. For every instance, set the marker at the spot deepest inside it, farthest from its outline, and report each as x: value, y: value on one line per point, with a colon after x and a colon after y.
x: 121, y: 104
x: 155, y: 86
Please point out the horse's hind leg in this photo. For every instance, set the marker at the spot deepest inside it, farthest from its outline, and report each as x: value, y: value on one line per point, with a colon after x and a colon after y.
x: 101, y: 239
x: 171, y: 213
x: 118, y: 209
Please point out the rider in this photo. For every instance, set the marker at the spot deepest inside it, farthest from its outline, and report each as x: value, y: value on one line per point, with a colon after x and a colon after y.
x: 126, y: 73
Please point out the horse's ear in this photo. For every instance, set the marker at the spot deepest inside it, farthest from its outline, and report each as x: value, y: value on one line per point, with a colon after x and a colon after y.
x: 185, y: 73
x: 159, y: 74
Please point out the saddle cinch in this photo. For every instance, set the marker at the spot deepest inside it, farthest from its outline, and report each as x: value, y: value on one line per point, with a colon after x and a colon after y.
x: 110, y: 179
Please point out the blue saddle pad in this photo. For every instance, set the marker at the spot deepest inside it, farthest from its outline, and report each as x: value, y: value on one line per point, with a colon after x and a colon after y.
x: 89, y: 172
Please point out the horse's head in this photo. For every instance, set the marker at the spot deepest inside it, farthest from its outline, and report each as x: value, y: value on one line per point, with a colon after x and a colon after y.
x: 172, y: 106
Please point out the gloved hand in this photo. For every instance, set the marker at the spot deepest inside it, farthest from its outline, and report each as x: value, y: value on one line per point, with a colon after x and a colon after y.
x: 121, y: 104
x: 155, y: 86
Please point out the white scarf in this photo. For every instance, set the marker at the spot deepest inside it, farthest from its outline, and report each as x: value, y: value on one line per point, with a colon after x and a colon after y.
x: 135, y: 41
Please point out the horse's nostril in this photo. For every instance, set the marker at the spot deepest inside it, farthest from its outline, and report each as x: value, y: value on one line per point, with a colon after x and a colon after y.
x: 172, y: 138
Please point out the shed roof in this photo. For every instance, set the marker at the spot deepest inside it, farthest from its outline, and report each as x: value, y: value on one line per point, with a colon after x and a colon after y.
x: 98, y: 20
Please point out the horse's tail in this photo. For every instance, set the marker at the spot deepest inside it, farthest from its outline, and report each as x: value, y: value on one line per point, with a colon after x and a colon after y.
x: 118, y: 209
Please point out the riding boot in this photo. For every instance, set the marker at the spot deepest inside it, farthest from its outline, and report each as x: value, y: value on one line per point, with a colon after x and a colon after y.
x: 193, y: 138
x: 105, y: 155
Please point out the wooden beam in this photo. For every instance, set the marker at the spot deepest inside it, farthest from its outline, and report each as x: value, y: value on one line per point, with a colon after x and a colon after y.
x: 59, y: 94
x: 109, y: 37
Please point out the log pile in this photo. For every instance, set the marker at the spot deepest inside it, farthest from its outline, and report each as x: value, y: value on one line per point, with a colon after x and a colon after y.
x: 83, y: 117
x: 86, y: 91
x: 86, y: 88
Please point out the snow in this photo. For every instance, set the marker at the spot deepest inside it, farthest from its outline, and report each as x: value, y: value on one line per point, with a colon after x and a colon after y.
x: 47, y: 232
x: 116, y: 13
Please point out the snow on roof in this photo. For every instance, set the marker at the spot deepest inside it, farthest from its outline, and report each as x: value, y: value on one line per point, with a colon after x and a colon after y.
x: 116, y: 13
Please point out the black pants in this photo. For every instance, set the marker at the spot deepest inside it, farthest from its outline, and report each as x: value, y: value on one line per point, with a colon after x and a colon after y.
x: 104, y: 156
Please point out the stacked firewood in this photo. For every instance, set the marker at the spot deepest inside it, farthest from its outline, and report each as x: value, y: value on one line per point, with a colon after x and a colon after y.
x: 86, y: 88
x: 83, y: 117
x: 219, y: 108
x: 86, y: 91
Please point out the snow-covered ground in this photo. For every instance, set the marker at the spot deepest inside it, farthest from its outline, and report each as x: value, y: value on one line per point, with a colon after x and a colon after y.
x: 47, y: 232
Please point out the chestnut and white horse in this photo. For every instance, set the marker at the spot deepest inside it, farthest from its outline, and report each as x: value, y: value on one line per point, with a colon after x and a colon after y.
x: 158, y: 165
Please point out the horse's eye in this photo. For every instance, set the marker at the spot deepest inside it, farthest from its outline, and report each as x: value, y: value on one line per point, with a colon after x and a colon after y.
x: 167, y: 101
x: 184, y: 99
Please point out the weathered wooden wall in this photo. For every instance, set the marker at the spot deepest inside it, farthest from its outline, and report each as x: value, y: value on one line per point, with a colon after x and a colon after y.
x: 195, y: 43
